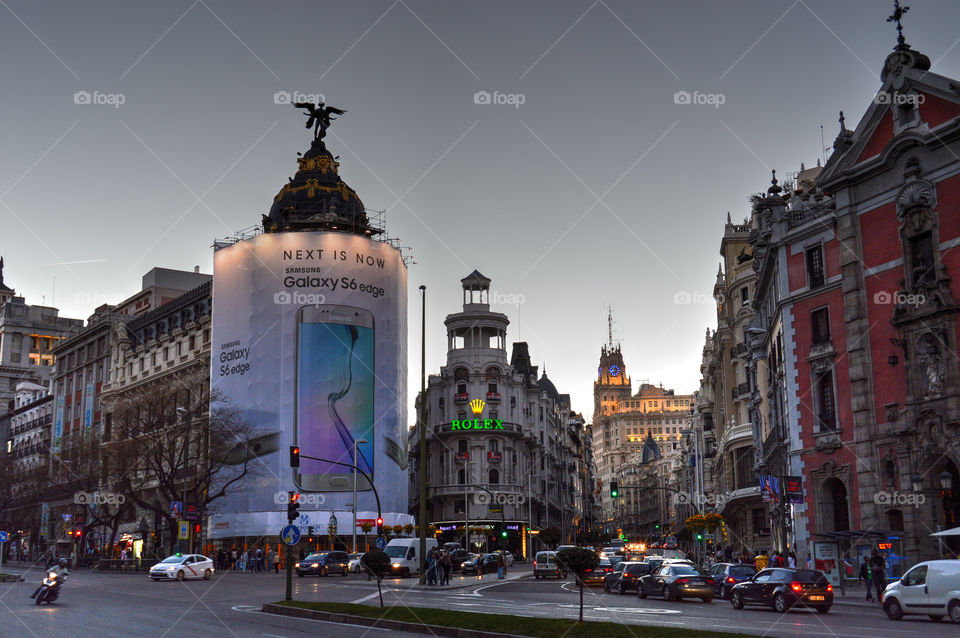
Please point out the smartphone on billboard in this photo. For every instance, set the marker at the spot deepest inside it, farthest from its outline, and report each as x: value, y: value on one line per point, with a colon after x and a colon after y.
x: 334, y: 396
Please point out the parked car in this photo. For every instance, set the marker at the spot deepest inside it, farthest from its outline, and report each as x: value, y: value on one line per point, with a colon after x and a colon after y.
x: 729, y: 574
x: 930, y: 588
x: 677, y: 581
x: 629, y: 576
x: 545, y: 564
x: 782, y: 589
x: 182, y: 566
x: 489, y: 564
x: 323, y: 563
x: 596, y: 575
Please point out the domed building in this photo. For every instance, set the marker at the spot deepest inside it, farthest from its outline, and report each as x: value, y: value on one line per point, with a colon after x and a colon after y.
x: 317, y: 199
x: 504, y: 447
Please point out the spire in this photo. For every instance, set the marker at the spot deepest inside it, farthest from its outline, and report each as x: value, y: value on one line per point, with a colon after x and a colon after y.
x: 728, y: 217
x: 774, y: 187
x: 3, y: 287
x: 897, y: 16
x: 610, y: 327
x: 843, y: 122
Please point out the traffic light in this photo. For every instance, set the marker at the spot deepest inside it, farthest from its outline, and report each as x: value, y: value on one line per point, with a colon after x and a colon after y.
x: 293, y: 507
x: 379, y: 526
x: 614, y: 489
x: 294, y: 456
x: 656, y: 526
x: 699, y: 537
x: 503, y: 533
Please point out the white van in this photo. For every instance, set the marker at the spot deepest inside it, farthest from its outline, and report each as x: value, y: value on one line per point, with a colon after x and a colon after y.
x: 931, y: 588
x: 404, y: 555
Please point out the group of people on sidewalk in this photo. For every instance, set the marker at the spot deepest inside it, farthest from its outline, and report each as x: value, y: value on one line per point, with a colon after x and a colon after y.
x: 254, y: 559
x: 873, y: 575
x: 439, y: 567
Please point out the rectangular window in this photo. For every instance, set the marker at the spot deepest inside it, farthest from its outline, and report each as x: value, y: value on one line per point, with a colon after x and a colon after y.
x: 826, y: 403
x: 921, y: 257
x: 745, y: 296
x: 820, y: 325
x: 815, y: 275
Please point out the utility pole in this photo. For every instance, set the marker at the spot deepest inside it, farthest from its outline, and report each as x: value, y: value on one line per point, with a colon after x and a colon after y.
x: 422, y: 429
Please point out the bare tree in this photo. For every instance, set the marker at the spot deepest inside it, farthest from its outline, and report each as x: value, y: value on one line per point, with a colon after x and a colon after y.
x: 172, y: 440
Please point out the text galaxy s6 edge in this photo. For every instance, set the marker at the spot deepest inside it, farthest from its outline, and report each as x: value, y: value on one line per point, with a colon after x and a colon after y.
x: 334, y: 396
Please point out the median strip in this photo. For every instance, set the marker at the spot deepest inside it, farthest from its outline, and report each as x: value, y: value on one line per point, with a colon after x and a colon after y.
x: 463, y: 624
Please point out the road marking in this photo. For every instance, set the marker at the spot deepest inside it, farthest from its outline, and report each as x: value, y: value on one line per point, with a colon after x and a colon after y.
x: 249, y: 609
x: 365, y: 598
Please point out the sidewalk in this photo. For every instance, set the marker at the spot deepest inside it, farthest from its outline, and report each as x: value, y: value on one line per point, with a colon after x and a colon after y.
x: 460, y: 582
x: 855, y: 595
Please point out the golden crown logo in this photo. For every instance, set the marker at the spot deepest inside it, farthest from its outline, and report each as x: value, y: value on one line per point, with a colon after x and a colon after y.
x: 476, y: 406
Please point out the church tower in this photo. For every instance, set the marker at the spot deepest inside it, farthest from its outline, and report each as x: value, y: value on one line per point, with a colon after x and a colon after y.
x: 612, y: 382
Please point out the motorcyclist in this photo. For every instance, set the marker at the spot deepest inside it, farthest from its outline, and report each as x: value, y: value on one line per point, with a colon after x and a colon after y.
x: 60, y: 569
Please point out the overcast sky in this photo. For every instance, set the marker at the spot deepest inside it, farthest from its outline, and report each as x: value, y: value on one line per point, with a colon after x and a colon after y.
x: 597, y: 189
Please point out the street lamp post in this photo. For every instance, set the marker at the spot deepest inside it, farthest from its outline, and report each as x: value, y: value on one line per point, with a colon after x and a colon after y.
x: 185, y: 415
x: 354, y: 470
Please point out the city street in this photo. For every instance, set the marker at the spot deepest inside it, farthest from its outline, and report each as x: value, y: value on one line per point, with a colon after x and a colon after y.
x: 229, y: 604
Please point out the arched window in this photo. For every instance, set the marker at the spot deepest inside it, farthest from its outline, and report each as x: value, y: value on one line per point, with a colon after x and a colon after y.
x: 462, y: 446
x: 834, y: 508
x: 513, y: 405
x: 493, y: 373
x: 493, y: 445
x: 441, y: 407
x: 494, y: 477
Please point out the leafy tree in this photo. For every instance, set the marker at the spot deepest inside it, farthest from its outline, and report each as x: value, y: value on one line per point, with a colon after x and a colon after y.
x: 366, y: 527
x: 376, y: 562
x: 550, y: 536
x: 397, y: 530
x: 578, y: 561
x: 408, y: 529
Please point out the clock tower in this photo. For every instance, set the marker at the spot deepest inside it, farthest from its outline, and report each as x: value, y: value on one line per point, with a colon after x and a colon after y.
x: 612, y: 384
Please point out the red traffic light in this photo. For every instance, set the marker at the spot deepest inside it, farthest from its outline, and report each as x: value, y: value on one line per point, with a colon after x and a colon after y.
x: 295, y: 497
x: 379, y: 521
x: 294, y: 456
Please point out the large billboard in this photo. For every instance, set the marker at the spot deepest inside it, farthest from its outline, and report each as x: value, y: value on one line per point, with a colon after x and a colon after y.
x: 309, y: 346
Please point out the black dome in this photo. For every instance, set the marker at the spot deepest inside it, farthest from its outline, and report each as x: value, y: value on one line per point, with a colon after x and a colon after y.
x: 317, y: 199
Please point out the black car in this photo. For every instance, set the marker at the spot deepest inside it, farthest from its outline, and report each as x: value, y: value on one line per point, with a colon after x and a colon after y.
x: 784, y: 588
x: 677, y: 581
x: 323, y: 563
x: 729, y: 574
x: 489, y: 565
x: 457, y: 557
x: 628, y: 577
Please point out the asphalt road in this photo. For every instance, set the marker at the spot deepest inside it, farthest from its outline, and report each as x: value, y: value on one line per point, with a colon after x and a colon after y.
x: 110, y: 605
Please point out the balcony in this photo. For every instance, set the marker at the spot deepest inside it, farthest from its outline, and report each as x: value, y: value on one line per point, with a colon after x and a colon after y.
x: 742, y: 390
x: 495, y: 456
x: 461, y: 398
x: 493, y: 397
x: 462, y: 456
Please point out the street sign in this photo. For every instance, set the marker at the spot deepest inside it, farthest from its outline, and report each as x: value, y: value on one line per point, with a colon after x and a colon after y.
x: 184, y: 531
x: 3, y: 537
x: 708, y: 537
x: 176, y: 507
x: 290, y: 535
x: 381, y: 542
x: 66, y: 517
x: 191, y: 514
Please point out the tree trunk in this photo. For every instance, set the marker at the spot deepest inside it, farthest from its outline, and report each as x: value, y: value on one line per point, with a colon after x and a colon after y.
x: 581, y: 600
x: 380, y: 592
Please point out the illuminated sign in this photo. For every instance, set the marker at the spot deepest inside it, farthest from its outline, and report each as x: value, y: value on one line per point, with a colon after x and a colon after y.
x: 476, y: 424
x: 884, y: 545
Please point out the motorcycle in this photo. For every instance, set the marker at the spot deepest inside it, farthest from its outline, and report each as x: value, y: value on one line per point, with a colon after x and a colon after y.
x: 49, y: 588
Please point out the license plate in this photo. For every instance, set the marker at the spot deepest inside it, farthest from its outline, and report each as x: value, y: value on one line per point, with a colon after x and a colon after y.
x: 815, y: 598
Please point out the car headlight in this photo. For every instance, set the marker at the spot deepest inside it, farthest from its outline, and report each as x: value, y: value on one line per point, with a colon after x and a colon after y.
x: 396, y: 564
x: 314, y: 564
x: 296, y: 564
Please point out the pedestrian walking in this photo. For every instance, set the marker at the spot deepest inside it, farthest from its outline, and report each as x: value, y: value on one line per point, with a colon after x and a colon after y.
x: 501, y: 565
x: 878, y: 574
x: 259, y: 558
x: 480, y: 566
x: 446, y: 565
x: 792, y: 561
x: 432, y: 567
x: 866, y: 577
x: 275, y: 559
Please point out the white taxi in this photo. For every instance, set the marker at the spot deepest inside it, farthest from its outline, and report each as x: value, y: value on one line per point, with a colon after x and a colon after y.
x: 182, y: 566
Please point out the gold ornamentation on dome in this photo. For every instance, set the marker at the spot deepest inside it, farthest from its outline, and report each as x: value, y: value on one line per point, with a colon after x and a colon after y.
x: 323, y: 163
x: 312, y: 186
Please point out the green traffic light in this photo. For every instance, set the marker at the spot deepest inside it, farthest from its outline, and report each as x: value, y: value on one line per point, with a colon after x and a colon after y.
x: 504, y: 534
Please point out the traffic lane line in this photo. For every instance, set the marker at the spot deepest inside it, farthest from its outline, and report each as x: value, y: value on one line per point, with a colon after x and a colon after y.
x: 365, y: 598
x: 250, y: 609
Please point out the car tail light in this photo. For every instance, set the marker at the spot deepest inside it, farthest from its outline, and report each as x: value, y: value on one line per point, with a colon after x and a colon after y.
x: 534, y: 563
x: 795, y: 586
x: 731, y: 580
x: 682, y: 581
x: 829, y: 587
x: 711, y: 581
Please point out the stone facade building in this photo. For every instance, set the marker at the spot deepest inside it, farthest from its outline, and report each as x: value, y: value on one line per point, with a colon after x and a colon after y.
x: 516, y: 462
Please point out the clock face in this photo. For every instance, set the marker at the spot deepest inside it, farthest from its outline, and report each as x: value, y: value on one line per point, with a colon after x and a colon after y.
x: 599, y: 371
x: 614, y: 370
